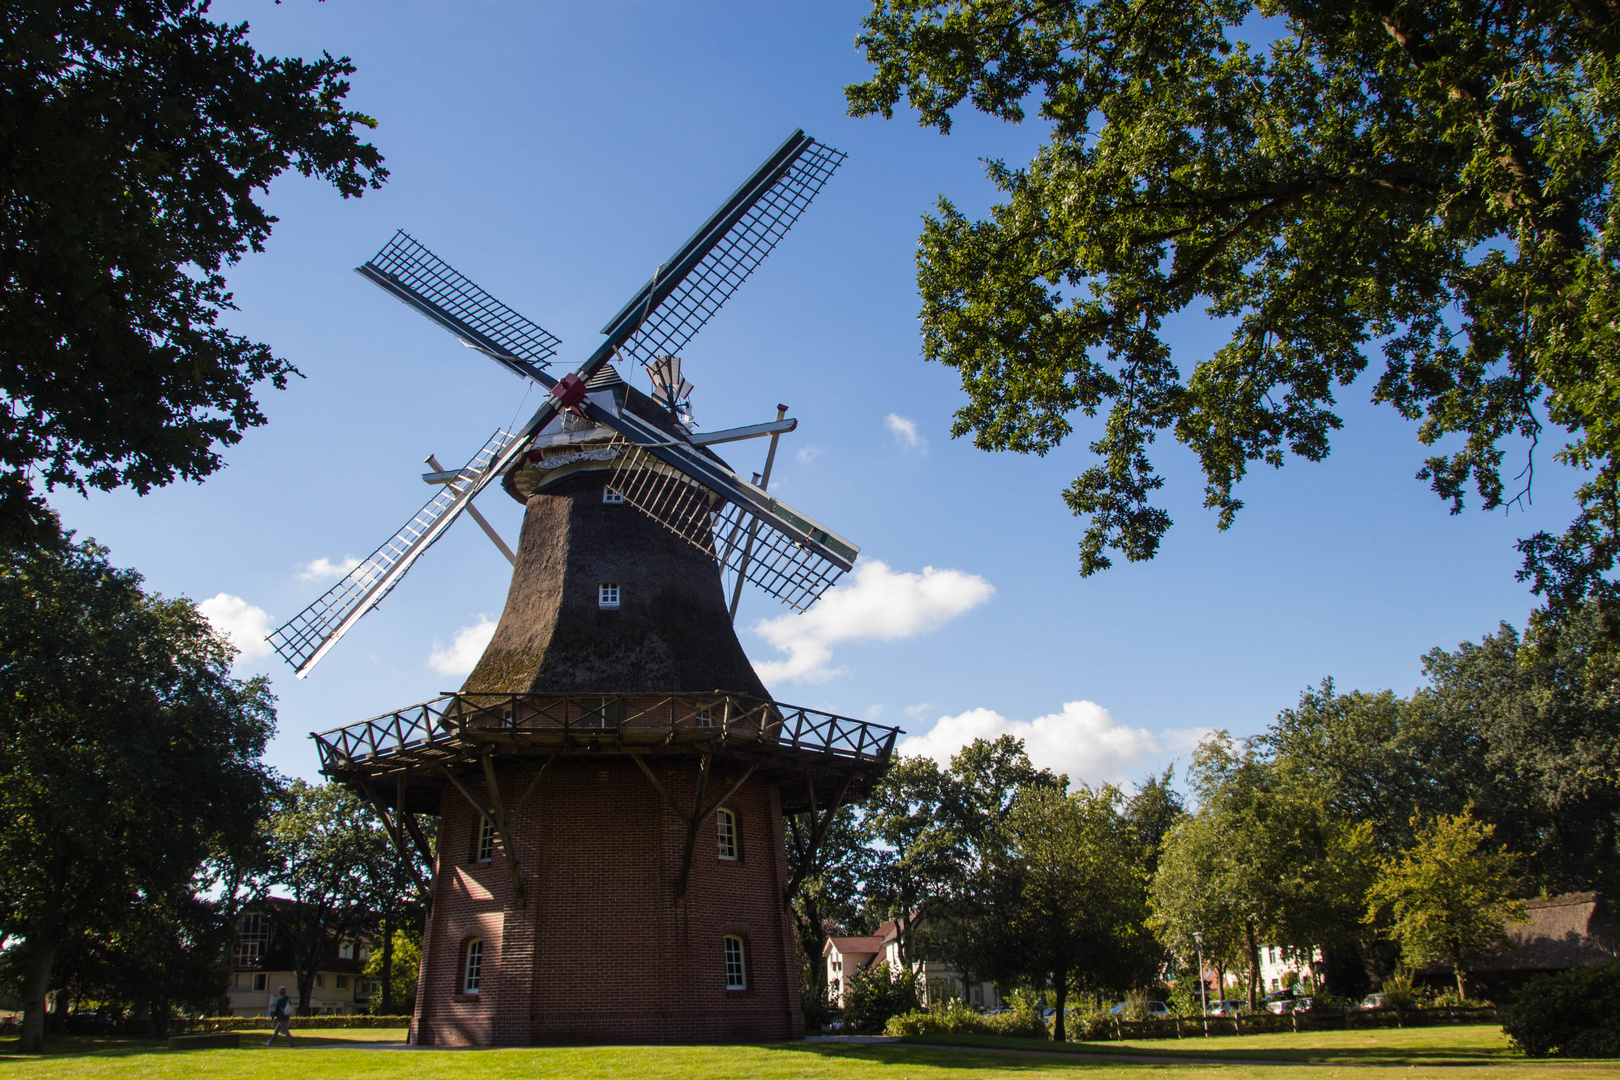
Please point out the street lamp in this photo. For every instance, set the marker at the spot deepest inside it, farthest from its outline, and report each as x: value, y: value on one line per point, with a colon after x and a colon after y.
x: 1203, y: 986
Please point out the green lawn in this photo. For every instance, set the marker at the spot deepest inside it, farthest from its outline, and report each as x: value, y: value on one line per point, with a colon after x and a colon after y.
x: 1474, y: 1044
x: 1430, y: 1054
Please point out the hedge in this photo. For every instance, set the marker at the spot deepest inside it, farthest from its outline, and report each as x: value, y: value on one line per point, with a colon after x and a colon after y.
x: 1108, y: 1027
x: 1571, y: 1014
x: 207, y: 1024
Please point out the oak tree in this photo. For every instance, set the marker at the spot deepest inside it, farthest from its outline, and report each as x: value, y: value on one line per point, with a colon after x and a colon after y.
x: 128, y: 754
x: 1435, y: 183
x: 137, y: 138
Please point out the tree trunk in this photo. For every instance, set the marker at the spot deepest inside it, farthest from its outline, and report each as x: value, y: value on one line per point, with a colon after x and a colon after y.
x: 388, y: 963
x: 1462, y: 993
x: 1252, y: 940
x: 1060, y: 981
x: 37, y: 983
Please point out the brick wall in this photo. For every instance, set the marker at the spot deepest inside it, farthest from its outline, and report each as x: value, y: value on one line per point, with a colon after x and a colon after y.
x: 602, y: 951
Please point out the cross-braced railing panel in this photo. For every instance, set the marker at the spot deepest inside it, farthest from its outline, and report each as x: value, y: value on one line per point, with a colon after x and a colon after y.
x: 735, y: 721
x: 709, y: 284
x: 302, y: 636
x: 452, y: 299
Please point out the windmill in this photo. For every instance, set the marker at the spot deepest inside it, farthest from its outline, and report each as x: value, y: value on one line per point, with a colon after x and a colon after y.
x: 662, y: 469
x: 614, y: 716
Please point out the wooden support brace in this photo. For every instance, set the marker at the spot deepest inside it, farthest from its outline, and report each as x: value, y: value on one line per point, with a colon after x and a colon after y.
x: 488, y: 813
x: 394, y: 834
x: 501, y: 828
x: 408, y: 819
x: 820, y: 823
x: 699, y: 817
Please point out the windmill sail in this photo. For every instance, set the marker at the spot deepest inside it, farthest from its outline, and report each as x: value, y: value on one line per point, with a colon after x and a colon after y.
x: 785, y: 553
x: 687, y: 291
x: 698, y: 498
x: 307, y: 636
x: 441, y: 292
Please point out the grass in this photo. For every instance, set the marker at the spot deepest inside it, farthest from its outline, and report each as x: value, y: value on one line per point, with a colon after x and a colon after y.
x: 373, y: 1054
x: 1475, y: 1044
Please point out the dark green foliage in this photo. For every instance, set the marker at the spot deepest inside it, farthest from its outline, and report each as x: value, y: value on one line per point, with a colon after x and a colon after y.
x: 128, y: 755
x: 1572, y: 1014
x: 1435, y: 182
x: 876, y: 993
x: 135, y: 139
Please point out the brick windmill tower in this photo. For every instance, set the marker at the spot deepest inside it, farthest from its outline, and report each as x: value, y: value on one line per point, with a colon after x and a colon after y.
x: 611, y: 780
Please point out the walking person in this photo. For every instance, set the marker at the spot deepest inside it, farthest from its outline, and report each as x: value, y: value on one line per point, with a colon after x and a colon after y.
x: 281, y: 1016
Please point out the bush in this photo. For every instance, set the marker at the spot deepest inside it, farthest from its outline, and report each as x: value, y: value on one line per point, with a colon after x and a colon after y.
x: 1571, y: 1014
x: 813, y: 1000
x: 957, y: 1019
x: 875, y: 994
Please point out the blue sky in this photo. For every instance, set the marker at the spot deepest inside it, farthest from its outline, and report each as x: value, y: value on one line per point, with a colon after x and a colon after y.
x: 556, y: 153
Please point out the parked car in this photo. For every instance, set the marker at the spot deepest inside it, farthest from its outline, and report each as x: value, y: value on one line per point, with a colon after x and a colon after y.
x: 1157, y: 1010
x: 1225, y: 1008
x: 1374, y: 1001
x: 1279, y: 1001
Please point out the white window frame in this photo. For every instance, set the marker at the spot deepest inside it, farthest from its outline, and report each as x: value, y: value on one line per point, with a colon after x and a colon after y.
x: 341, y: 983
x: 725, y: 827
x: 261, y: 981
x: 472, y: 967
x: 485, y: 851
x: 607, y: 595
x: 736, y: 957
x: 611, y: 497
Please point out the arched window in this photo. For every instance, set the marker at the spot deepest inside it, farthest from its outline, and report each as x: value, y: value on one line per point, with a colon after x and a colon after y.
x: 472, y: 968
x: 726, y: 824
x: 736, y: 964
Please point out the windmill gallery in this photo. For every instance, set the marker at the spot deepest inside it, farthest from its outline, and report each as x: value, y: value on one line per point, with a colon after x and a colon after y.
x: 610, y: 781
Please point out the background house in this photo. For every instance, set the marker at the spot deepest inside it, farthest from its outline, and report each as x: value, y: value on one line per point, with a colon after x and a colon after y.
x: 262, y: 960
x: 936, y: 981
x: 1562, y: 932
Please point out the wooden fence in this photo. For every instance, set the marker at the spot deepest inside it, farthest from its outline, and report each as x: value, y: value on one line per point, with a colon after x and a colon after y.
x: 1184, y: 1027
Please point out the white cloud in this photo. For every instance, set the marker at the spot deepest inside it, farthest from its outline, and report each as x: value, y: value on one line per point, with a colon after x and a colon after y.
x: 905, y: 432
x: 807, y: 454
x: 463, y: 652
x: 324, y: 569
x: 918, y: 709
x: 245, y: 625
x: 877, y: 604
x: 1083, y: 740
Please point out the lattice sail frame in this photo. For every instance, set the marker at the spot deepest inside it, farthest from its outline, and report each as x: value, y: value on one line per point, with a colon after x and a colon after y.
x: 306, y: 637
x: 676, y: 319
x: 414, y: 274
x: 731, y: 534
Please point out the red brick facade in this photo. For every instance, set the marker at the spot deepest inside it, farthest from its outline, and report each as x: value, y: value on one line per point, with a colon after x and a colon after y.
x: 601, y: 950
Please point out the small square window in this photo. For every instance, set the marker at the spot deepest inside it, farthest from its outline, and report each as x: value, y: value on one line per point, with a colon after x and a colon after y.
x: 703, y: 719
x: 726, y: 822
x: 261, y: 981
x: 320, y: 981
x: 341, y: 982
x: 607, y: 596
x: 611, y: 497
x: 736, y: 972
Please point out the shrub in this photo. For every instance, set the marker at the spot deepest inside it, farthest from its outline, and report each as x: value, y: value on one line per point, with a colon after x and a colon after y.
x: 814, y: 1000
x: 875, y: 994
x: 957, y: 1019
x: 208, y: 1024
x: 1571, y: 1014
